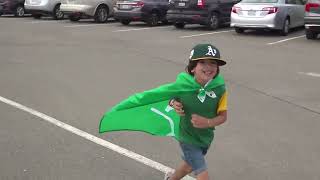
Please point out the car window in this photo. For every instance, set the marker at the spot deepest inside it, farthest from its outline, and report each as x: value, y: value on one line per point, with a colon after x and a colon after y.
x: 304, y: 1
x: 299, y: 2
x: 290, y: 1
x: 259, y: 1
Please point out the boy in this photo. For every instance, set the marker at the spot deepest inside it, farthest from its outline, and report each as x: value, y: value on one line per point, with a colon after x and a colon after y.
x: 199, y: 112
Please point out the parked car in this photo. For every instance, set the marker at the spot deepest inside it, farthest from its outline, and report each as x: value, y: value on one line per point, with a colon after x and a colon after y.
x: 15, y: 7
x: 39, y: 8
x: 279, y: 15
x: 211, y: 13
x: 99, y: 10
x: 149, y: 11
x: 312, y: 19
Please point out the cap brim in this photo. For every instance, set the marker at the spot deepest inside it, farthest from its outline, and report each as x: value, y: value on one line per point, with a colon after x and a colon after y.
x: 219, y: 61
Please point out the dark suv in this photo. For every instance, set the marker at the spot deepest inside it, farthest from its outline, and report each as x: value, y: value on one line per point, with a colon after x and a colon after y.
x: 149, y: 11
x: 211, y: 13
x: 15, y: 7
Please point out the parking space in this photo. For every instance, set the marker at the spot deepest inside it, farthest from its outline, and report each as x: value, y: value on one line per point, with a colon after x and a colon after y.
x: 75, y: 71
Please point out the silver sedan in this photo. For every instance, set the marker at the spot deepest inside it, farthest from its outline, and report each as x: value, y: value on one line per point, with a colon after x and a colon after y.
x: 279, y: 15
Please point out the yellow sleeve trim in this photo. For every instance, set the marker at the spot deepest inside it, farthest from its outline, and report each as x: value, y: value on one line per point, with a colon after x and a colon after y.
x: 223, y: 103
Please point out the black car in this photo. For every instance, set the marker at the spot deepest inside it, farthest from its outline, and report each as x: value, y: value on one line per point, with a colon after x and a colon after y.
x: 15, y: 7
x: 149, y: 11
x: 211, y: 13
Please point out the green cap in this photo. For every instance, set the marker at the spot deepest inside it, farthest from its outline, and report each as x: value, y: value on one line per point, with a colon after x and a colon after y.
x: 206, y: 51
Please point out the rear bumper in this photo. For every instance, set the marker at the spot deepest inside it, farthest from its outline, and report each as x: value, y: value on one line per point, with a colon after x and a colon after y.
x: 267, y: 22
x: 312, y: 20
x: 77, y: 8
x: 130, y: 15
x: 46, y: 9
x: 189, y: 17
x: 313, y: 27
x: 312, y: 23
x: 42, y: 12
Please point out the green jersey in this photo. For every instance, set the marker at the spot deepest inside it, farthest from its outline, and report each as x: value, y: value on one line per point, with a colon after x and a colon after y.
x: 208, y: 108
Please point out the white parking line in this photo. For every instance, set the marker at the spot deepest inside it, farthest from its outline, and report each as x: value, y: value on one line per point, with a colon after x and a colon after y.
x: 116, y: 148
x: 84, y: 25
x: 195, y: 35
x: 284, y: 40
x: 310, y: 74
x: 139, y: 29
x: 38, y: 22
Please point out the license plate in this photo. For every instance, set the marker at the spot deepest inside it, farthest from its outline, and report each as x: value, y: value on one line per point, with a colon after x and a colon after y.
x: 125, y: 6
x: 251, y: 13
x: 181, y: 4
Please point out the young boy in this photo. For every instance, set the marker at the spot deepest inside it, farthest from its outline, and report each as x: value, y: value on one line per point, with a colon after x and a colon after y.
x: 200, y: 112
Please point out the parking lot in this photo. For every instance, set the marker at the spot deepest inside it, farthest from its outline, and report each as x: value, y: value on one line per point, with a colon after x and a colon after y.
x: 65, y: 75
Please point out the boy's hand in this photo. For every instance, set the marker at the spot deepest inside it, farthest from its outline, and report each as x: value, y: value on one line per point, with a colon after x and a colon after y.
x: 199, y: 121
x: 178, y: 107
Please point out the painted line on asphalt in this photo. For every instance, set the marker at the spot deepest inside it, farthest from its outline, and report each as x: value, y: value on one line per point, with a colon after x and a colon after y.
x: 204, y: 34
x: 84, y: 25
x: 39, y: 22
x: 106, y: 144
x: 139, y: 29
x: 310, y: 74
x: 284, y: 40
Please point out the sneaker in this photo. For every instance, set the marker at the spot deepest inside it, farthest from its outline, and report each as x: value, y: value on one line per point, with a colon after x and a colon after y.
x: 168, y: 175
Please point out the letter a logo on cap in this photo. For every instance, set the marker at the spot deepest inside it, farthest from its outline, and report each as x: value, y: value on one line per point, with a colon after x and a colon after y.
x: 211, y: 52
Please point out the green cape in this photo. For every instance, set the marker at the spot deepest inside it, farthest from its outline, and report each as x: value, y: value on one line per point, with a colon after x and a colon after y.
x: 149, y: 111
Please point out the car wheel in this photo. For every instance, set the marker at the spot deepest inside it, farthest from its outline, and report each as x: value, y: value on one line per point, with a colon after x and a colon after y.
x: 19, y: 12
x: 153, y: 19
x: 101, y: 15
x: 213, y: 22
x: 57, y: 14
x: 36, y: 16
x: 311, y: 34
x: 179, y: 25
x: 239, y: 30
x: 74, y: 18
x: 125, y: 22
x: 285, y: 27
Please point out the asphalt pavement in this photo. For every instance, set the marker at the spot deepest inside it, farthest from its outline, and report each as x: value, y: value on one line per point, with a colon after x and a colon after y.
x: 73, y: 72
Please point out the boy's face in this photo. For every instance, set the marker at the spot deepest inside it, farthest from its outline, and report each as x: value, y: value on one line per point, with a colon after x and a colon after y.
x: 205, y: 70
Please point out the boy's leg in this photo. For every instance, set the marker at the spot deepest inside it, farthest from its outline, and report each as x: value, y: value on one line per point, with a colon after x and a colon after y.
x: 183, y: 170
x: 194, y: 157
x: 204, y: 175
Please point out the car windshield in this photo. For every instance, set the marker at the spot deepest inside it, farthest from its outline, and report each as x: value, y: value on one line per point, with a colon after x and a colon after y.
x: 259, y: 1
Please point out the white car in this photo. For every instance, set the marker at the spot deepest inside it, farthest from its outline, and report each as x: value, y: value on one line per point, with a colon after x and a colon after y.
x: 99, y: 10
x: 279, y: 15
x: 39, y: 8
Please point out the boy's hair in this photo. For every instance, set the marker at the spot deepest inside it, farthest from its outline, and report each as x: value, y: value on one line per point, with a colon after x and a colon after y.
x: 193, y: 64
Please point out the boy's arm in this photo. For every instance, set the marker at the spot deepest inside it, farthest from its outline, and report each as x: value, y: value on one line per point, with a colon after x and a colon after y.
x: 222, y: 112
x: 220, y: 119
x: 202, y: 122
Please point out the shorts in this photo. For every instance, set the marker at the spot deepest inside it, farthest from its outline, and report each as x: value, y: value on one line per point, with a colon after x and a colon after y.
x: 194, y: 156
